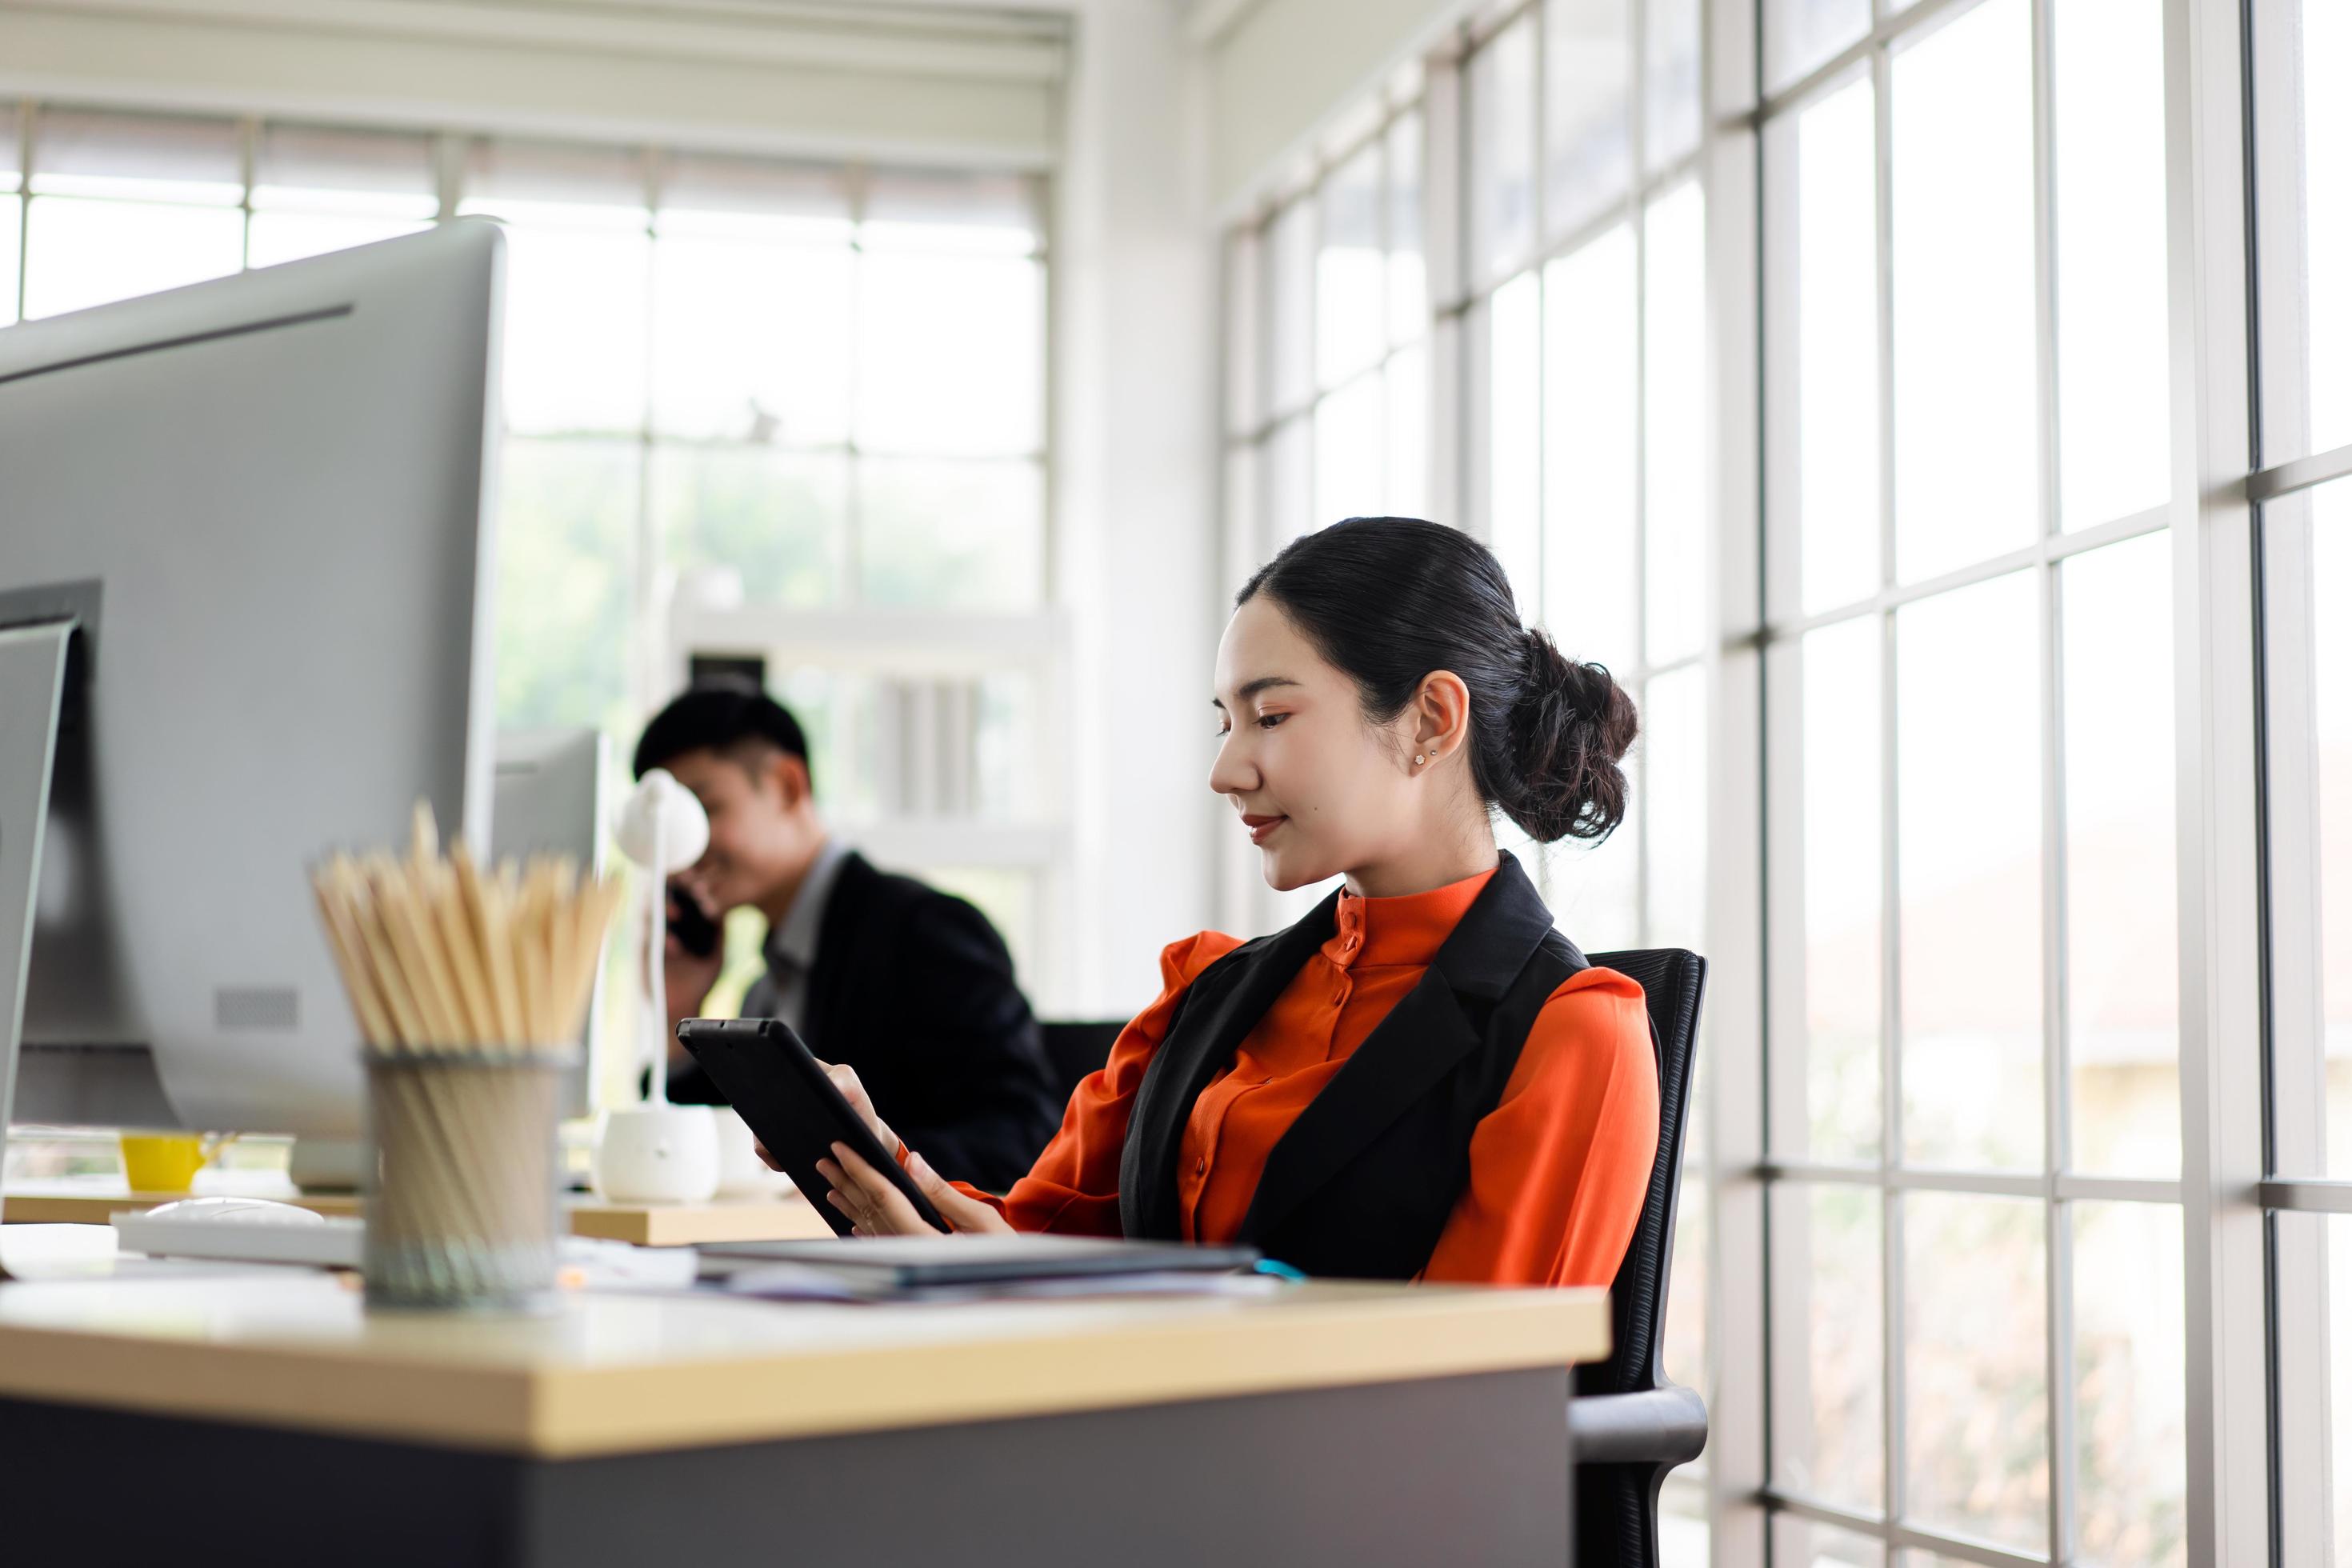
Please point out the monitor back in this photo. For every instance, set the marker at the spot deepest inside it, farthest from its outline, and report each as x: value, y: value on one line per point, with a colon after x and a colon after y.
x: 268, y: 501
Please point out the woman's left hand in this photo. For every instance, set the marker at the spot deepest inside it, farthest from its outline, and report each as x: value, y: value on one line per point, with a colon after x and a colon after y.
x: 877, y: 1208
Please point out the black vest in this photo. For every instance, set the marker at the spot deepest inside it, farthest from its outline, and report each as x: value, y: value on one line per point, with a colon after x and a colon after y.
x: 1362, y: 1184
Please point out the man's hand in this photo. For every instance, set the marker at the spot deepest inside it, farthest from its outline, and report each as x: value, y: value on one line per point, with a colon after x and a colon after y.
x: 688, y: 977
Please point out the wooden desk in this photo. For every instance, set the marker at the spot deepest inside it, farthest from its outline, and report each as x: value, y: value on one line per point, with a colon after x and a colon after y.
x: 1329, y: 1423
x: 790, y: 1218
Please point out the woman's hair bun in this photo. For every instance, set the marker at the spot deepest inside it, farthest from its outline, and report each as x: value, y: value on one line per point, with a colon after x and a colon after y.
x: 1571, y: 726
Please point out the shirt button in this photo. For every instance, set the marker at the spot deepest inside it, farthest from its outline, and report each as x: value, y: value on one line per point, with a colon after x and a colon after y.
x: 1200, y: 1165
x: 1349, y: 944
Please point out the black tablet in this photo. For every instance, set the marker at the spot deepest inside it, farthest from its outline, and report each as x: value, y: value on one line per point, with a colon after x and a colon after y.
x: 784, y: 1096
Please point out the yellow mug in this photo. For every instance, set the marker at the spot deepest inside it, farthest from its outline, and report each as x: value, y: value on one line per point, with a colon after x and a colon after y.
x: 167, y: 1161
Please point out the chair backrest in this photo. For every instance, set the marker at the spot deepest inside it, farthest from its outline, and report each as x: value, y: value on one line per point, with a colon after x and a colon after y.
x: 1074, y: 1049
x: 1673, y: 980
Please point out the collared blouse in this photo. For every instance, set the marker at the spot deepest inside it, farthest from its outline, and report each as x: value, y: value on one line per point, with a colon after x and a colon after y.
x: 1557, y: 1169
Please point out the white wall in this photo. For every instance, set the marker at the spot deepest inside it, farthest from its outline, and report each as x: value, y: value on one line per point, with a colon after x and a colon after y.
x: 1136, y: 542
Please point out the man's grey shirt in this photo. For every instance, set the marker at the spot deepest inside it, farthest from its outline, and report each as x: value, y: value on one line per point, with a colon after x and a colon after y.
x: 791, y: 949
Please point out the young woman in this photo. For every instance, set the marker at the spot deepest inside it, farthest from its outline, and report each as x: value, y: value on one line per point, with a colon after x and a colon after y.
x: 1422, y: 1079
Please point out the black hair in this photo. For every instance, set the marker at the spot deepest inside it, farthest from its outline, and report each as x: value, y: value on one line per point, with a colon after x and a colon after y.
x: 1389, y: 600
x: 724, y: 714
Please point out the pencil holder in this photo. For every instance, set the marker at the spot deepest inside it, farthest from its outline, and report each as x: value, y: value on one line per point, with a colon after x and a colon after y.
x: 462, y: 1204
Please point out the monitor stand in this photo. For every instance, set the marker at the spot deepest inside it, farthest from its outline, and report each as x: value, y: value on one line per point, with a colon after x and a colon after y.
x: 32, y: 685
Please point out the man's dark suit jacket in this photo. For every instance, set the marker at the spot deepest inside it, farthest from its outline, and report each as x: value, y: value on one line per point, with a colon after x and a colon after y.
x: 914, y: 989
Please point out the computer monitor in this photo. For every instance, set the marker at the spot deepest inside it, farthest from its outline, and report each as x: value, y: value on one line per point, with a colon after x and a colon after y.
x: 550, y: 800
x: 267, y: 501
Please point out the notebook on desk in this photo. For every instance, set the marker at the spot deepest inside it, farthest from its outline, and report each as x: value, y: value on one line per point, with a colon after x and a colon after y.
x: 899, y: 1264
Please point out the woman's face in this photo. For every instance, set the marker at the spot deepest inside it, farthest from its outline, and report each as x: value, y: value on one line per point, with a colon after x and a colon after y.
x: 1318, y: 789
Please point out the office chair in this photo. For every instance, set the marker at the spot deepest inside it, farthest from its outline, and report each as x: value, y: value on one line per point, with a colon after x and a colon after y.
x: 1073, y: 1050
x: 1627, y: 1424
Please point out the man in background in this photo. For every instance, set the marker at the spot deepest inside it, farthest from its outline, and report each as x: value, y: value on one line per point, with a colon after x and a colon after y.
x: 910, y: 986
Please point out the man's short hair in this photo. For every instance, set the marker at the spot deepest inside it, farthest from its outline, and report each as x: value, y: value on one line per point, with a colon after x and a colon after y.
x: 722, y: 715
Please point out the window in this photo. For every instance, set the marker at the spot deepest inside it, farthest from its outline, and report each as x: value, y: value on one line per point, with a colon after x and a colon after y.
x: 1968, y: 1285
x: 799, y: 389
x: 2302, y: 205
x: 1974, y: 1144
x: 1328, y: 370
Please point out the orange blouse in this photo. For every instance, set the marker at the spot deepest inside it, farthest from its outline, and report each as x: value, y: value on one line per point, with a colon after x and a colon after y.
x: 1557, y: 1169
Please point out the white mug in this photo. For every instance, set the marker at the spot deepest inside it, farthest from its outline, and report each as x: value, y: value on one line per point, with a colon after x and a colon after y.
x: 657, y: 1154
x: 741, y: 1173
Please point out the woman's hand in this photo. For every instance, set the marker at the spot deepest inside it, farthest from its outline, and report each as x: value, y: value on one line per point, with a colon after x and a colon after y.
x: 877, y: 1208
x: 844, y: 1079
x: 866, y: 1196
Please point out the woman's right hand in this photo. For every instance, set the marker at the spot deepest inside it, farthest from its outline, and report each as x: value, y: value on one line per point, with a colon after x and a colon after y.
x: 844, y: 1079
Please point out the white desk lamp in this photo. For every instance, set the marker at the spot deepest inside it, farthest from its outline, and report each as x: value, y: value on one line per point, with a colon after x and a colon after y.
x: 656, y: 1152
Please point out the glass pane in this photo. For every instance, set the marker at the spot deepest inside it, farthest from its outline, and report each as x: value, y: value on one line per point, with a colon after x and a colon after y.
x: 2130, y: 1414
x: 1592, y: 595
x: 1290, y: 306
x: 951, y: 535
x: 1245, y: 330
x: 2313, y: 1305
x: 1801, y: 1544
x: 1969, y: 814
x: 1595, y: 890
x: 12, y: 219
x: 1837, y: 349
x: 1588, y: 119
x: 1683, y: 1343
x: 277, y: 236
x: 1965, y: 398
x: 752, y: 340
x: 1829, y: 1371
x: 1007, y: 895
x: 1290, y: 484
x: 1675, y: 425
x: 82, y: 253
x: 1349, y: 478
x: 1802, y: 34
x: 2122, y: 954
x: 1670, y: 84
x: 951, y: 354
x: 952, y: 209
x: 572, y: 183
x: 1514, y: 421
x: 1975, y: 1368
x: 575, y: 348
x: 754, y: 198
x: 567, y: 558
x: 1241, y: 535
x: 1843, y: 890
x: 1408, y: 433
x: 774, y: 521
x: 2303, y: 56
x: 2114, y: 376
x: 138, y: 157
x: 1684, y: 1534
x: 1350, y: 271
x: 1673, y: 737
x: 302, y: 168
x: 2313, y: 918
x: 1502, y: 113
x: 1408, y: 267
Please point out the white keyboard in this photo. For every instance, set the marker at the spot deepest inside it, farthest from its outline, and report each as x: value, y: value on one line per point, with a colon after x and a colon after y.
x: 324, y: 1241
